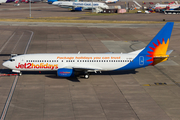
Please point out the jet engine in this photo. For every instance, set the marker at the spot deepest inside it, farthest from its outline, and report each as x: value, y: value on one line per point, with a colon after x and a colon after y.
x: 65, y: 72
x: 78, y: 9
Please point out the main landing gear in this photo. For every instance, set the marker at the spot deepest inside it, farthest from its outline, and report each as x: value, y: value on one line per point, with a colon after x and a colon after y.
x: 86, y: 76
x: 20, y: 73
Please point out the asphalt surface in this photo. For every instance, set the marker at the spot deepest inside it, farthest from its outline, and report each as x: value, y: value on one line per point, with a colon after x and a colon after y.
x: 125, y: 95
x: 130, y: 95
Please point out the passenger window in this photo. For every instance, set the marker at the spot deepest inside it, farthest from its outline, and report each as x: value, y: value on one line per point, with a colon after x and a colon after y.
x: 62, y: 60
x: 44, y: 60
x: 66, y: 60
x: 49, y: 60
x: 26, y: 60
x: 57, y: 60
x: 77, y: 60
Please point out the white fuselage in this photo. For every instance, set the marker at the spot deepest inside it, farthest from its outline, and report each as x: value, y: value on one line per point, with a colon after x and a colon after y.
x: 48, y: 62
x: 3, y: 1
x: 111, y: 1
x: 80, y: 4
x: 162, y: 6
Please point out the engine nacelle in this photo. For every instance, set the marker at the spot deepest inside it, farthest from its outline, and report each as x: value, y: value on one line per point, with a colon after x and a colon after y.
x: 78, y: 9
x: 65, y: 72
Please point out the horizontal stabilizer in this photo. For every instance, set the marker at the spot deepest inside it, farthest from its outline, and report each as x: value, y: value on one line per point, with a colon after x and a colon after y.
x: 169, y: 52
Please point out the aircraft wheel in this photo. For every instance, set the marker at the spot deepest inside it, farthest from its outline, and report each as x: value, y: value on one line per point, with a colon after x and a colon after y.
x: 86, y: 76
x: 20, y: 73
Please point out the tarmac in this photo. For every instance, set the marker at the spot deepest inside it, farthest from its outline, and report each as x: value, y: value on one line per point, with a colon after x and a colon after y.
x: 151, y: 93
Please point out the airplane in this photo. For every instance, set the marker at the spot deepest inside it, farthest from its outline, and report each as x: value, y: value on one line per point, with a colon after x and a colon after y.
x: 79, y: 6
x: 9, y: 1
x: 171, y: 6
x: 2, y: 1
x: 67, y: 65
x: 111, y: 1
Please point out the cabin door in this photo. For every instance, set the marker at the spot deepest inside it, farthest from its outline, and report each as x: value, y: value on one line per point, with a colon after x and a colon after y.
x: 141, y: 60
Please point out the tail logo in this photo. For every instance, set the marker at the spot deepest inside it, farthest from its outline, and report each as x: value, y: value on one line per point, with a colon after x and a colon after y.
x: 159, y: 49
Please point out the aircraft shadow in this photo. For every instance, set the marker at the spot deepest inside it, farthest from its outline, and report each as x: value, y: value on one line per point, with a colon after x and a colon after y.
x: 53, y: 74
x: 73, y: 79
x: 116, y: 72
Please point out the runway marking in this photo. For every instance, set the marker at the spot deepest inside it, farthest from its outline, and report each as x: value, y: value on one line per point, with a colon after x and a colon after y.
x: 8, y: 101
x: 111, y: 33
x: 32, y: 33
x: 17, y: 42
x: 6, y: 42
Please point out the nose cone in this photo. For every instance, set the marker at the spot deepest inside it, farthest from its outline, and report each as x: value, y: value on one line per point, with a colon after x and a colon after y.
x: 6, y: 64
x: 55, y: 3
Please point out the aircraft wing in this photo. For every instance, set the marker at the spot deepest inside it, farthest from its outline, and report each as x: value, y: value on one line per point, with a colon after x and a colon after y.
x: 86, y: 69
x: 83, y: 68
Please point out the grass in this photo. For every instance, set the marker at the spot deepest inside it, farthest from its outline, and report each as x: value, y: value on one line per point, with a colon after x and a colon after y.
x: 56, y: 18
x: 134, y: 11
x: 99, y: 14
x: 53, y: 20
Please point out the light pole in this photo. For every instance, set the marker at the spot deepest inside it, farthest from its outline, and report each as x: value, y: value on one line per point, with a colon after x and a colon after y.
x: 92, y: 6
x: 29, y: 8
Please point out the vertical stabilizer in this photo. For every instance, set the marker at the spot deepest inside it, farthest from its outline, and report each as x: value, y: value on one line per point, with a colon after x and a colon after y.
x: 157, y: 48
x: 155, y: 52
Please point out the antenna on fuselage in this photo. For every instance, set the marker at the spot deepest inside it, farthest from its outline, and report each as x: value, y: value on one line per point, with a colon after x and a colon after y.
x: 79, y: 52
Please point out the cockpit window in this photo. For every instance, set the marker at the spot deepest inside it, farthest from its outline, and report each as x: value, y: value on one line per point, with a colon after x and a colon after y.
x: 12, y: 60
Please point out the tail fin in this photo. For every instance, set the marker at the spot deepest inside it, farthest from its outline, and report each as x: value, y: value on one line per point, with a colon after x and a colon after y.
x: 157, y: 48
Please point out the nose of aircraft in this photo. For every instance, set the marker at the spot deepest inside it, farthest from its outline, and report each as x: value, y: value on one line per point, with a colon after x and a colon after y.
x: 55, y: 3
x: 6, y: 64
